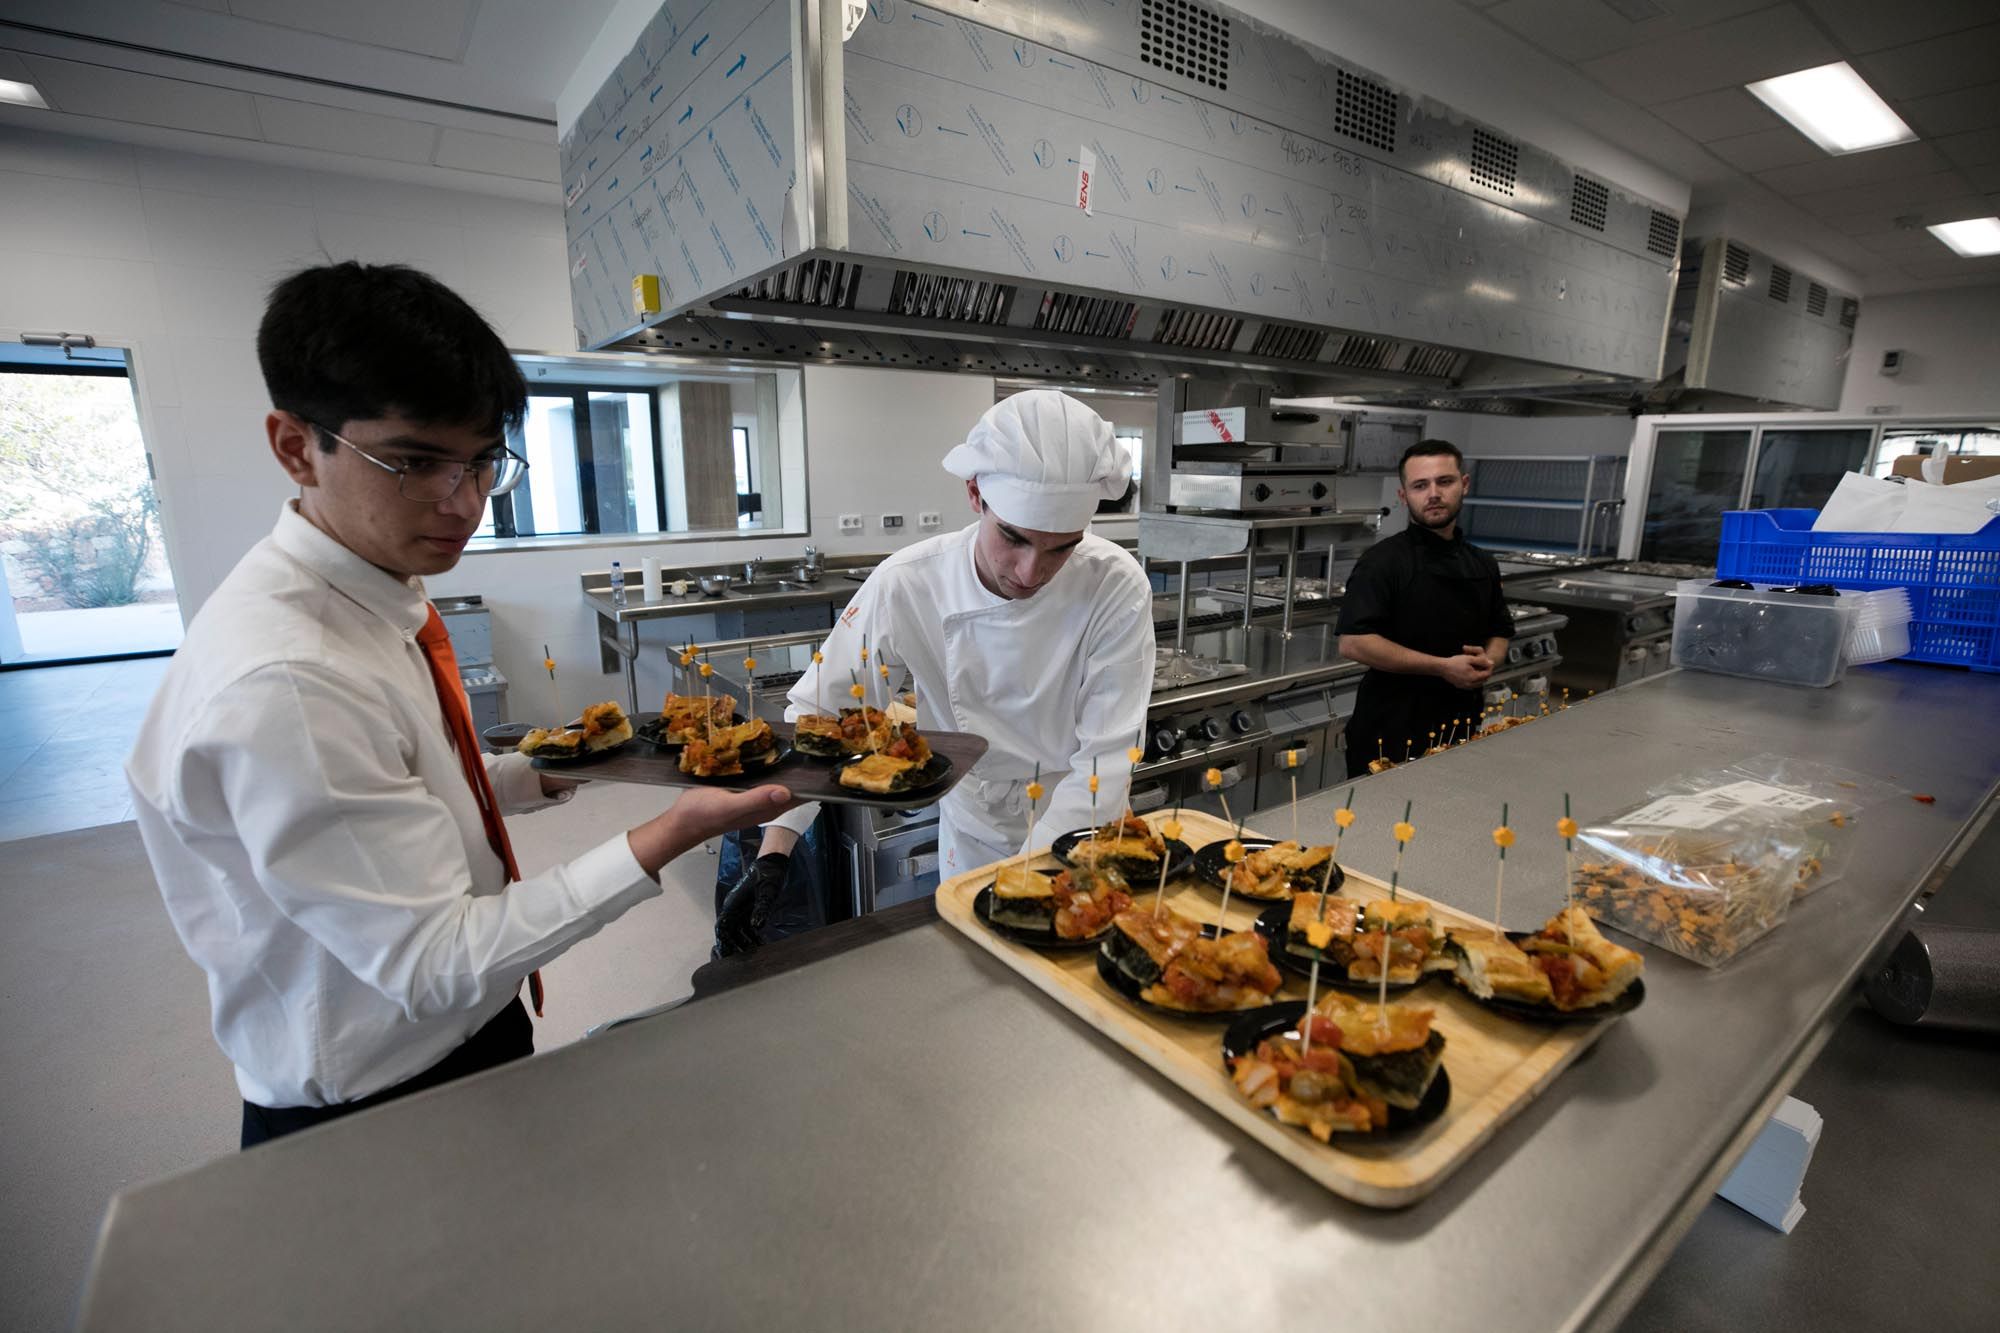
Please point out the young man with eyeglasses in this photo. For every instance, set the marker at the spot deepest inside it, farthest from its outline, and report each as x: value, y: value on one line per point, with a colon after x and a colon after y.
x: 326, y: 834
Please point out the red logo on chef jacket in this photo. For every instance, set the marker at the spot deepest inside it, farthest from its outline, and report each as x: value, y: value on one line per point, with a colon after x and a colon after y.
x: 847, y: 616
x: 1221, y: 426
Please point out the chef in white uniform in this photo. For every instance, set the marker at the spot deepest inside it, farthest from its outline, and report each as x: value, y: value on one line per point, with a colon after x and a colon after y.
x: 1023, y: 628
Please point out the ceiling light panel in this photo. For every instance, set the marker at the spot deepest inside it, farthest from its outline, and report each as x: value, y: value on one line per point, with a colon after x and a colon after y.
x: 1834, y: 107
x: 15, y: 93
x: 1971, y: 237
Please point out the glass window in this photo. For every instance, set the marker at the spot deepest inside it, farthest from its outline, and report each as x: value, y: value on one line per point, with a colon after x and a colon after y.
x: 1967, y: 441
x: 679, y: 453
x: 1798, y: 469
x: 1697, y: 474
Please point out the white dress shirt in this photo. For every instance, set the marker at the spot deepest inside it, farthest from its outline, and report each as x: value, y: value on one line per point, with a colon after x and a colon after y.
x: 316, y: 841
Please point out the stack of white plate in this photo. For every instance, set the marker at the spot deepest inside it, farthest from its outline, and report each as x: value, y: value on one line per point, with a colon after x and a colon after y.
x: 1881, y: 627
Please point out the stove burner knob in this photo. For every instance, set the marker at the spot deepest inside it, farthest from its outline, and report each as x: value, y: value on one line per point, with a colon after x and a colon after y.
x: 1241, y: 722
x: 1319, y: 490
x: 1165, y: 740
x: 1208, y: 729
x: 1260, y: 492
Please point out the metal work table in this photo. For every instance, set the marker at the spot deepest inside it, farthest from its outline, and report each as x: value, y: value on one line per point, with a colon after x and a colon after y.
x: 905, y: 1131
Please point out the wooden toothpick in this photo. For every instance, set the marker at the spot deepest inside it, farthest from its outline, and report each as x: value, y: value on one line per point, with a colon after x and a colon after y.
x: 1503, y: 838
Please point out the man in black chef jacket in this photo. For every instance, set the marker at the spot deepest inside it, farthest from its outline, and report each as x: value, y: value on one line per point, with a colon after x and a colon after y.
x: 1423, y: 612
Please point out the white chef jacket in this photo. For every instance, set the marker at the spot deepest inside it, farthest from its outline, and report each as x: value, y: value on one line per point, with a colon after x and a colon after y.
x: 317, y: 844
x: 1058, y: 679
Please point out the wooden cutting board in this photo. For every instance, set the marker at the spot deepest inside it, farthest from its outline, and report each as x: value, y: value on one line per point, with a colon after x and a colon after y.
x: 1497, y: 1065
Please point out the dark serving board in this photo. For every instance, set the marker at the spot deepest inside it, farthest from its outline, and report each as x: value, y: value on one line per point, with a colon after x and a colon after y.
x: 809, y: 779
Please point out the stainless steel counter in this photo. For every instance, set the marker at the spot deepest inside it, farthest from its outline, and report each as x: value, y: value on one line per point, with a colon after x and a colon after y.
x: 905, y: 1131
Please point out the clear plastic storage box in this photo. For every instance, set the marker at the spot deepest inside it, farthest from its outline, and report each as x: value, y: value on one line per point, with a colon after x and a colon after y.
x: 1792, y: 638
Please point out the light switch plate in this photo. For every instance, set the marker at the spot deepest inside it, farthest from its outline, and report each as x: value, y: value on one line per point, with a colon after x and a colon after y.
x: 891, y: 522
x: 930, y: 520
x: 852, y: 523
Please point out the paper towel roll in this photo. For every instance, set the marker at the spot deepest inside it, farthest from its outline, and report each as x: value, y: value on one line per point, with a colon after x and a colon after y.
x: 649, y: 579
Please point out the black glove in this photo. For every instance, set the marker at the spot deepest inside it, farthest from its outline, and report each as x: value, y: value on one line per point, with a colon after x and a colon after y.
x: 739, y: 926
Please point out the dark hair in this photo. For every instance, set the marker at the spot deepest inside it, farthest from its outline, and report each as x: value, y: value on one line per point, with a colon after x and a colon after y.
x: 350, y: 342
x: 1430, y: 449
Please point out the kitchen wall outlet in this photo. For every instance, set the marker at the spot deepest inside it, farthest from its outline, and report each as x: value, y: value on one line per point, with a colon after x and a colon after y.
x: 852, y: 523
x: 891, y: 522
x: 930, y: 520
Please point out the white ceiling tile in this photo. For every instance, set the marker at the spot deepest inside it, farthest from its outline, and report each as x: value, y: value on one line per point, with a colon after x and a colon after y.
x: 146, y: 99
x: 1976, y: 149
x: 212, y: 6
x: 1871, y: 25
x: 1579, y: 30
x: 1914, y: 243
x: 1833, y: 173
x: 1888, y: 212
x: 1735, y: 51
x: 1949, y: 265
x: 496, y: 154
x: 1955, y: 112
x: 1766, y: 149
x: 1726, y: 113
x: 12, y: 68
x: 431, y: 28
x: 337, y: 130
x: 1906, y: 195
x: 1985, y: 177
x: 1956, y: 60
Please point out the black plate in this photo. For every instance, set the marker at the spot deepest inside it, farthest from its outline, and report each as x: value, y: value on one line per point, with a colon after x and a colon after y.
x: 1108, y: 971
x: 1255, y: 1026
x: 646, y: 727
x: 1629, y: 999
x: 1048, y: 941
x: 582, y: 757
x: 1179, y: 857
x: 1209, y: 866
x: 1274, y: 924
x: 763, y: 763
x: 929, y: 775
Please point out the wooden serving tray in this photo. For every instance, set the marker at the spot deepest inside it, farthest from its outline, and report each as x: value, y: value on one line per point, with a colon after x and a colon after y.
x: 1497, y: 1065
x: 810, y: 779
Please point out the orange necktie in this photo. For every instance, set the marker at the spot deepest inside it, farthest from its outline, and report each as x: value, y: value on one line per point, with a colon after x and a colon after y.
x: 458, y: 723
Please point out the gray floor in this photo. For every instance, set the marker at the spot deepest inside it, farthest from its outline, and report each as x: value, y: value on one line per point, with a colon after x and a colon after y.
x: 112, y: 1077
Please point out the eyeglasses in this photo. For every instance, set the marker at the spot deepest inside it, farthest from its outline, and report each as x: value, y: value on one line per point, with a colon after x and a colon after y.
x: 434, y: 480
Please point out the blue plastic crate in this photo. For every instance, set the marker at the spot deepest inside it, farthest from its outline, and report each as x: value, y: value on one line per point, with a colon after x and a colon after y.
x: 1954, y: 581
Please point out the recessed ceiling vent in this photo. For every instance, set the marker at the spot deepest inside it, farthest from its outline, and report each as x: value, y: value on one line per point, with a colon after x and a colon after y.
x: 1815, y: 300
x: 1781, y: 283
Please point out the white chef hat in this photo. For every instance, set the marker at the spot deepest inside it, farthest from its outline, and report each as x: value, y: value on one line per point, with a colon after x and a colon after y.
x: 1043, y: 461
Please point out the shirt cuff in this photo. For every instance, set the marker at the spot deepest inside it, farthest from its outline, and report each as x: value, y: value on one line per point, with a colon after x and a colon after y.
x: 607, y: 880
x: 517, y: 784
x: 798, y: 819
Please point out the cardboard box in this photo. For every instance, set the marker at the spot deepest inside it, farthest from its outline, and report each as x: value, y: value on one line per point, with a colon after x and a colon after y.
x: 1955, y: 469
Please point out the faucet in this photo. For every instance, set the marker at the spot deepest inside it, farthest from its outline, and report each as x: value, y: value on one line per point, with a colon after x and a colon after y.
x: 814, y: 561
x: 751, y: 569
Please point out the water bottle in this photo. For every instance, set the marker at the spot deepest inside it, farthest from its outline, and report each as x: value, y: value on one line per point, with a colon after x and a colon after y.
x: 617, y: 584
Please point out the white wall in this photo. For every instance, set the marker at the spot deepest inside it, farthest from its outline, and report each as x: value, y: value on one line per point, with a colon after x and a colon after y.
x: 171, y: 255
x: 1951, y: 355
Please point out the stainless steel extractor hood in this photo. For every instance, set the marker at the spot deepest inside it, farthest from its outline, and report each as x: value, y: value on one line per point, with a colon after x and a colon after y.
x: 1750, y: 332
x: 1091, y: 192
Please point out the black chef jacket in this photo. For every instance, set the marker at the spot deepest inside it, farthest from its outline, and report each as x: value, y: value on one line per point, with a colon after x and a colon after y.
x: 1431, y: 595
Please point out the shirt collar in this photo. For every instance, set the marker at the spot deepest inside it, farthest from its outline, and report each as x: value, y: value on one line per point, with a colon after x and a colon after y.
x: 401, y: 602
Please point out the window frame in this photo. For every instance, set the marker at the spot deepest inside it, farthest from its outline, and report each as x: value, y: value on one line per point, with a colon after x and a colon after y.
x: 504, y: 528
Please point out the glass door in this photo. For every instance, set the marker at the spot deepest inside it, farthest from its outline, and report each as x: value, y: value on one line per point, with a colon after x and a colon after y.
x: 1798, y: 469
x: 1697, y: 474
x: 85, y: 566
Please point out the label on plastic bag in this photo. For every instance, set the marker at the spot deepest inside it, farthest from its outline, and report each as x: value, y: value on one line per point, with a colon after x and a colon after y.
x: 1707, y: 808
